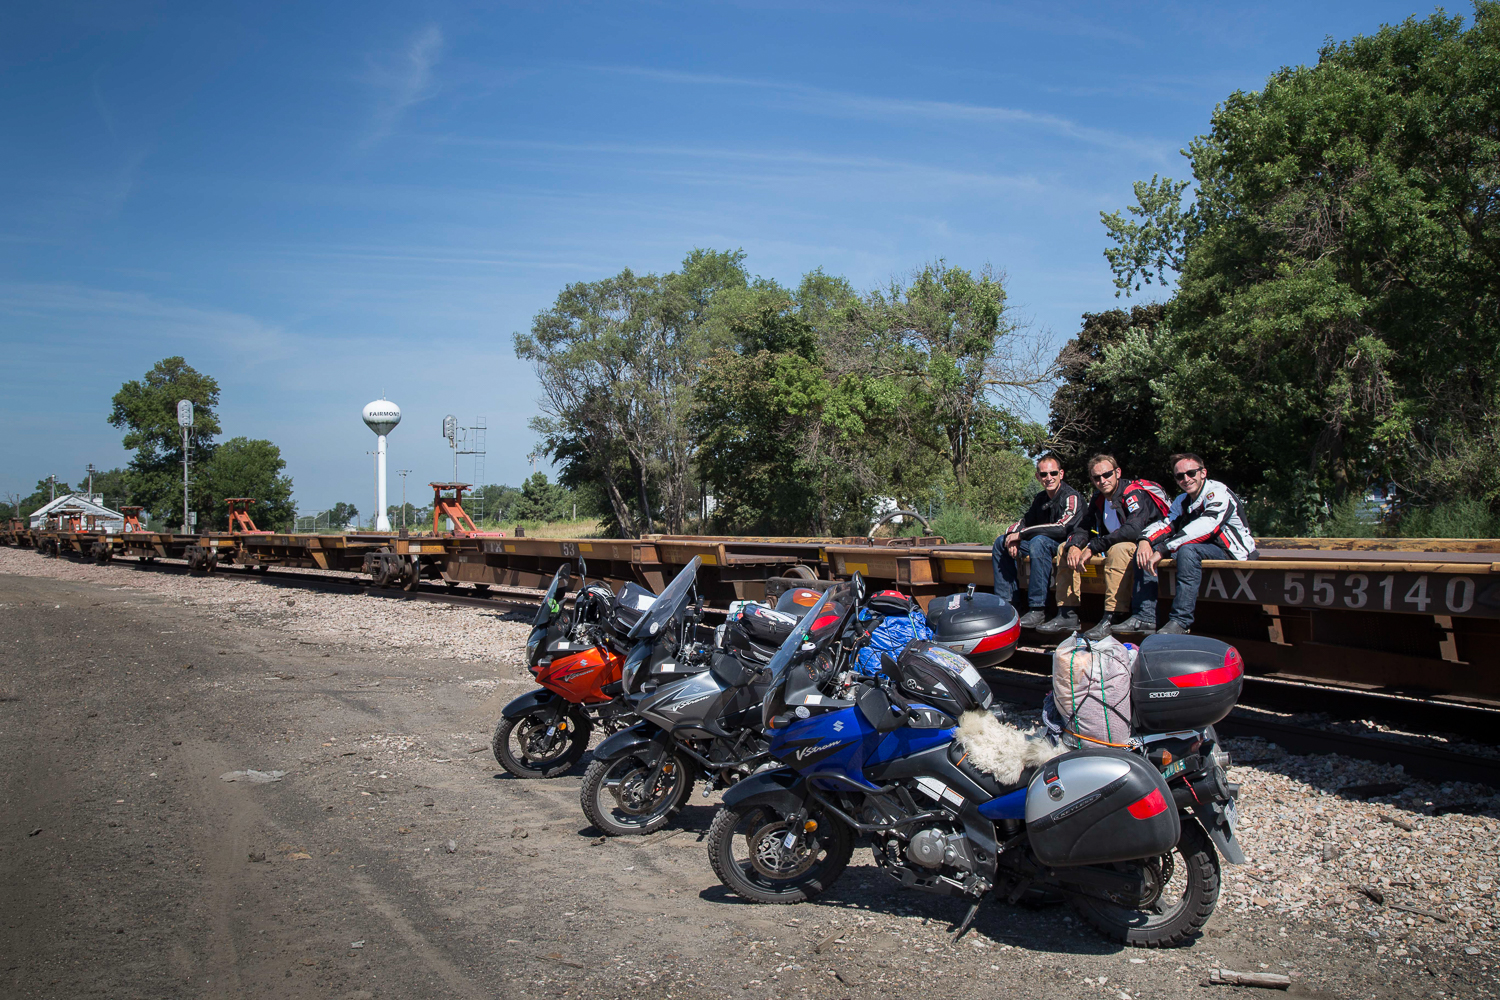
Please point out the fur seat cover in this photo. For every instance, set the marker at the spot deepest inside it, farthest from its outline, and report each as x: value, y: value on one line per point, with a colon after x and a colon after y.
x: 1001, y: 749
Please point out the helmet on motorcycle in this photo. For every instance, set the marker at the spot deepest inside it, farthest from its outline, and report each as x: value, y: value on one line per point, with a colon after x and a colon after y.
x: 891, y: 602
x: 797, y: 600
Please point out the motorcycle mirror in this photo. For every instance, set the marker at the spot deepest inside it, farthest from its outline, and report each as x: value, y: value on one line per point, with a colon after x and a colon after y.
x: 888, y: 664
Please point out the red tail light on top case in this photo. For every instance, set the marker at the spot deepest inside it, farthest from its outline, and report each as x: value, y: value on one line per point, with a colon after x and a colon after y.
x: 1233, y: 667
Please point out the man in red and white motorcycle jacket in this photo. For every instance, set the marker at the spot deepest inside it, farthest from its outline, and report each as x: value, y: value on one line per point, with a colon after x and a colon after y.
x: 1206, y: 521
x: 1115, y: 520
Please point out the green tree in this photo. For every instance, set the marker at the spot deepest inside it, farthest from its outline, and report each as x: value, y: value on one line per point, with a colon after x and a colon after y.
x: 966, y: 364
x: 340, y: 514
x: 616, y: 361
x: 1111, y: 407
x: 541, y: 500
x: 147, y: 410
x: 241, y: 467
x: 1337, y: 319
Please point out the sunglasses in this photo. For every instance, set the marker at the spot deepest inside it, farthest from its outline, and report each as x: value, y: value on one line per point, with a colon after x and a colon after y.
x: 1186, y: 474
x: 1105, y: 477
x: 1049, y: 475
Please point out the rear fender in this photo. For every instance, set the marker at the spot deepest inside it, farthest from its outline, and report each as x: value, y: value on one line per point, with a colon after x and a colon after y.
x: 541, y: 703
x: 781, y: 790
x: 642, y: 740
x: 1218, y: 832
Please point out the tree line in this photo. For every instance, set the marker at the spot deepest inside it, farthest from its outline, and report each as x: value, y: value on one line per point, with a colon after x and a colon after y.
x: 1332, y: 335
x: 1335, y: 325
x: 710, y: 398
x: 146, y: 410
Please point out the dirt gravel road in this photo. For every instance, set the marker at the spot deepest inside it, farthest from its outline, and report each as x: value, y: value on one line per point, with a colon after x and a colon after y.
x: 394, y: 859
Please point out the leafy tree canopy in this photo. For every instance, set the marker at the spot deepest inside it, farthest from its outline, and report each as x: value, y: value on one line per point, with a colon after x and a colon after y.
x: 1337, y: 318
x: 241, y: 467
x: 147, y: 411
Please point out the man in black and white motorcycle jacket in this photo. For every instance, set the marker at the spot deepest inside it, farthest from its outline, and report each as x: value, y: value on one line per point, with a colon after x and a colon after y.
x: 1206, y: 521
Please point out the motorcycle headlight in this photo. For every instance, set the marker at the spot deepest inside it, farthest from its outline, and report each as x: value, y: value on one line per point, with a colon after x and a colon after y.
x: 633, y: 664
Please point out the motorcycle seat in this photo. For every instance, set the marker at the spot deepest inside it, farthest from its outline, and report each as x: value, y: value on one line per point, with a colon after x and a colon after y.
x: 959, y: 757
x: 730, y: 671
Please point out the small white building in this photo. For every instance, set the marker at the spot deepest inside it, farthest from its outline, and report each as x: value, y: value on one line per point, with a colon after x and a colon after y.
x: 82, y: 505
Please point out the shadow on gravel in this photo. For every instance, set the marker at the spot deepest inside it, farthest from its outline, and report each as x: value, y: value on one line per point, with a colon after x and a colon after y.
x: 865, y: 888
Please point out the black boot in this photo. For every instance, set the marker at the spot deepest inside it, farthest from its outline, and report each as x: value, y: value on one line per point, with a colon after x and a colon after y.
x: 1033, y: 618
x: 1066, y: 621
x: 1102, y: 630
x: 1135, y: 623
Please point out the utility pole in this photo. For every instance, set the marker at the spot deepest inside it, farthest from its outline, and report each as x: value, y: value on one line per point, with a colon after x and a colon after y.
x: 402, y: 473
x: 185, y: 421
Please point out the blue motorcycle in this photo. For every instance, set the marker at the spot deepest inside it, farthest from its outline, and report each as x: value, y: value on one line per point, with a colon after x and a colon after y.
x: 1131, y: 852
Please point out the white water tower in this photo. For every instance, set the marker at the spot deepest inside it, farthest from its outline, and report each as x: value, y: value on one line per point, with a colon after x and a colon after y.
x: 381, y: 416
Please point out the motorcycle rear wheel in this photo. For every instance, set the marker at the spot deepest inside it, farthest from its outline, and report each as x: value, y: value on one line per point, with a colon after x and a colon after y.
x: 523, y: 747
x: 615, y: 798
x: 1186, y: 900
x: 767, y: 872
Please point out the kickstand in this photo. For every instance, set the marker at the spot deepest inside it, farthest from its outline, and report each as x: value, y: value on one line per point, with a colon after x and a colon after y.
x: 968, y: 919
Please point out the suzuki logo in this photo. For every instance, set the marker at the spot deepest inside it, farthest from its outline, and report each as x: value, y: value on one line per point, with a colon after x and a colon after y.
x: 838, y: 727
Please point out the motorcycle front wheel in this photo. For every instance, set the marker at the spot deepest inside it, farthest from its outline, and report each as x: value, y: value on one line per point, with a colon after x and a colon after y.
x: 748, y: 850
x: 1184, y: 888
x: 540, y: 746
x: 616, y: 797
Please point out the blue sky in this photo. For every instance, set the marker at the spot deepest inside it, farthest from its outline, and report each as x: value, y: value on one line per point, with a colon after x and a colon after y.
x: 318, y: 203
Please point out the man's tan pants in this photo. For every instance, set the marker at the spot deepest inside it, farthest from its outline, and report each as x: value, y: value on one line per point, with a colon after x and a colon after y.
x: 1119, y: 572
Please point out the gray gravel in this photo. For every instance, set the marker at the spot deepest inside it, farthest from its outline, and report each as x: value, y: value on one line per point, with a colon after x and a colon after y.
x: 1291, y: 911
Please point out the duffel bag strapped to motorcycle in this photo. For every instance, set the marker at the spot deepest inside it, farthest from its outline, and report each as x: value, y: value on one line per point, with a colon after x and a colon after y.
x: 1185, y: 682
x: 1095, y: 807
x: 1091, y: 684
x: 756, y: 632
x: 979, y: 626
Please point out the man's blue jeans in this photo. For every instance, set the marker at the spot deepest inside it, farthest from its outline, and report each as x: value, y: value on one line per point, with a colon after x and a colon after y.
x: 1189, y: 560
x: 1043, y: 551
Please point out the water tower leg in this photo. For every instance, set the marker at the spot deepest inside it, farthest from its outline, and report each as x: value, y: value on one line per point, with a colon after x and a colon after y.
x: 382, y: 523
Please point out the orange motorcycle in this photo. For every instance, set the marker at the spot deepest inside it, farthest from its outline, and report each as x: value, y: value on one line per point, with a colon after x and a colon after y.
x: 577, y: 656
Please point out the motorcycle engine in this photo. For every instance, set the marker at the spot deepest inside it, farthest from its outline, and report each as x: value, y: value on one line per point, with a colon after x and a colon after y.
x: 936, y: 848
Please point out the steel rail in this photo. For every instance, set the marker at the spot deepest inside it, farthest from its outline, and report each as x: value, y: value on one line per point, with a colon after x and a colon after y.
x: 1029, y: 687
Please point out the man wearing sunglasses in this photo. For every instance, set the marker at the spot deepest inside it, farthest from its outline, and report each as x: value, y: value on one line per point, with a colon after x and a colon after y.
x: 1052, y: 514
x: 1207, y: 521
x: 1115, y: 520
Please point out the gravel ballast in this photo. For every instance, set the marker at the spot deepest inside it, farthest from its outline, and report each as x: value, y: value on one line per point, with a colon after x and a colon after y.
x: 1395, y: 894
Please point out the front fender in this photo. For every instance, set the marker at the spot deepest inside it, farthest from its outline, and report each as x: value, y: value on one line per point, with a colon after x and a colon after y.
x: 539, y: 702
x: 780, y: 790
x: 642, y: 740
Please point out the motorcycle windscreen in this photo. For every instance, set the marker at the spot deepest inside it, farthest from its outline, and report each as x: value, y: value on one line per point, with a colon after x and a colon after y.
x: 561, y: 581
x: 780, y: 666
x: 668, y: 604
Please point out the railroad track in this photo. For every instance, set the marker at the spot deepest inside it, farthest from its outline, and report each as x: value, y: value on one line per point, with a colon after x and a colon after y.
x: 1480, y: 723
x: 1250, y: 719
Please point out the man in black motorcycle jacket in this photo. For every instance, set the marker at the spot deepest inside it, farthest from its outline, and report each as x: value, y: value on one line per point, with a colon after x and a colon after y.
x: 1047, y: 522
x: 1115, y: 520
x: 1206, y: 521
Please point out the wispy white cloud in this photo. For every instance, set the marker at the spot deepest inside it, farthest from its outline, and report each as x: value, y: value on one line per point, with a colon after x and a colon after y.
x: 81, y: 317
x: 819, y: 100
x: 404, y: 80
